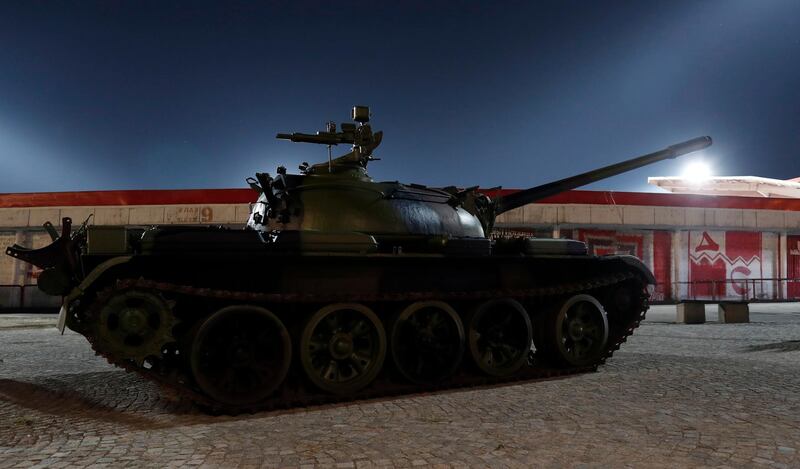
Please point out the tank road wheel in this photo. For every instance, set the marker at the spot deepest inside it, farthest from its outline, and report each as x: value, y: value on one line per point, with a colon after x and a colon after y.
x: 135, y: 325
x: 342, y: 348
x: 240, y: 355
x: 578, y: 332
x: 427, y: 342
x: 499, y: 335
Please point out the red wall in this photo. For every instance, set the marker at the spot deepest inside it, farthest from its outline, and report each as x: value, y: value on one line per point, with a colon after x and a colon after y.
x: 793, y: 265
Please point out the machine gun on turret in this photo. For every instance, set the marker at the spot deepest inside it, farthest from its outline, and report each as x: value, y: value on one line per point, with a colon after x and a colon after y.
x: 359, y: 135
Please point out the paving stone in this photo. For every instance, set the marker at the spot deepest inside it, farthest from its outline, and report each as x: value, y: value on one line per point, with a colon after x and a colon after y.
x: 706, y: 395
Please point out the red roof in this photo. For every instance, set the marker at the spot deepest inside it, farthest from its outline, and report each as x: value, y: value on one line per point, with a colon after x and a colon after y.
x: 666, y: 200
x: 243, y: 196
x: 135, y: 197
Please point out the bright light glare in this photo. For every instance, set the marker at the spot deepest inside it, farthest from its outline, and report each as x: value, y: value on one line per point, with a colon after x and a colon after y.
x: 696, y: 172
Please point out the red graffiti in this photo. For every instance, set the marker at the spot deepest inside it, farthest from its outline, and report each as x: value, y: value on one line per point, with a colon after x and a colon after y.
x: 742, y: 244
x: 739, y: 285
x: 708, y: 278
x: 707, y: 244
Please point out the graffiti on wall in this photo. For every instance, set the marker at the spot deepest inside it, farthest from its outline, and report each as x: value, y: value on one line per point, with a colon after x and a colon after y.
x: 607, y: 242
x: 728, y: 264
x: 708, y: 265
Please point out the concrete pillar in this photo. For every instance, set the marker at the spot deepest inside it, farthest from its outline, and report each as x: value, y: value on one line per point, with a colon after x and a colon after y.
x: 730, y: 313
x: 691, y: 312
x: 19, y: 268
x: 678, y: 289
x: 783, y: 257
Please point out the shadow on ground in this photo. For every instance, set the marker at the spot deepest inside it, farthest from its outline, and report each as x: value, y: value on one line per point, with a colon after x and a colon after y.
x: 105, y: 396
x: 785, y: 346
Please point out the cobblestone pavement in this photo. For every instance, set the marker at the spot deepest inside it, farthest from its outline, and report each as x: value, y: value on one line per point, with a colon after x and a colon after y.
x: 719, y: 395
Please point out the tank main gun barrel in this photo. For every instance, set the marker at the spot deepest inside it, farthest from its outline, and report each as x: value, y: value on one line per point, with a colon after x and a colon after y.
x: 518, y: 199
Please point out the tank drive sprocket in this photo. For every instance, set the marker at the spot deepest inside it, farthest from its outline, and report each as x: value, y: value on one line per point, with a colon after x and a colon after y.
x: 134, y: 324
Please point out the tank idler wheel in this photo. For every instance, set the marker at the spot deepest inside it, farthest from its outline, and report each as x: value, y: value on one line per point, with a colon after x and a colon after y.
x: 342, y: 348
x: 577, y: 333
x: 240, y: 355
x: 624, y: 302
x: 427, y: 342
x: 499, y: 335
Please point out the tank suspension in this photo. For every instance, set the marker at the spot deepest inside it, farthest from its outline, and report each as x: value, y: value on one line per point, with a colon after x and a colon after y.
x: 427, y: 342
x: 240, y: 355
x: 499, y: 335
x: 199, y: 364
x: 577, y: 334
x: 342, y: 348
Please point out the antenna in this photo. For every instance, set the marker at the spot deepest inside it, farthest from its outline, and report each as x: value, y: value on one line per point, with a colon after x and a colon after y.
x: 330, y: 127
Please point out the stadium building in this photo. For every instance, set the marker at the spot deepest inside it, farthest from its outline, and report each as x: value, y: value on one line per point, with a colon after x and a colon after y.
x: 701, y: 243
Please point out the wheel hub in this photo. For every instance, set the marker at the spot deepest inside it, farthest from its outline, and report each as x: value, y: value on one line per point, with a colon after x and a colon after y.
x: 341, y: 346
x: 133, y: 320
x: 576, y: 330
x: 242, y: 354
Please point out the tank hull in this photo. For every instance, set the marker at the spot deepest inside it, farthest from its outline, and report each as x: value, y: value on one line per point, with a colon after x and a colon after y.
x: 197, y: 284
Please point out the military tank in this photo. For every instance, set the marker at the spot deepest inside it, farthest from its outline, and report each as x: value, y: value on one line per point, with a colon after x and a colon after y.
x: 340, y: 287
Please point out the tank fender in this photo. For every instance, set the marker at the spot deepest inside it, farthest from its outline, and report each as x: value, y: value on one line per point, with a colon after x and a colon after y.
x: 78, y: 291
x: 636, y: 263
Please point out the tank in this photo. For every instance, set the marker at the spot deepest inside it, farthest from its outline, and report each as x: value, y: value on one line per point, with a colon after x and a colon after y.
x: 340, y: 287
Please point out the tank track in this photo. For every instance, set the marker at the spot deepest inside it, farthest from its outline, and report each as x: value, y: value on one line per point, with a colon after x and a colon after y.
x: 305, y: 394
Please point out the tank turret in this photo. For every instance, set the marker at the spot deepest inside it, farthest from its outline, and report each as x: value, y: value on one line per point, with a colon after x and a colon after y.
x: 340, y: 196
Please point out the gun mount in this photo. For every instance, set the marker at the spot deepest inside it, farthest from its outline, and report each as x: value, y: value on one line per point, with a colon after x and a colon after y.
x: 359, y: 135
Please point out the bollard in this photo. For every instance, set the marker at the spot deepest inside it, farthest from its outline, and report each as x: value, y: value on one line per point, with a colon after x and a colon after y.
x: 691, y: 312
x: 731, y: 313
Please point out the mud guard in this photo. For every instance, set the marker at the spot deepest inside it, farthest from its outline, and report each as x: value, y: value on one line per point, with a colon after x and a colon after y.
x: 78, y: 291
x: 637, y: 264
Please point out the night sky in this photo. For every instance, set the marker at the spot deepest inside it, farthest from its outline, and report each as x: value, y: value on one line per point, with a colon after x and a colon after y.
x: 161, y: 95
